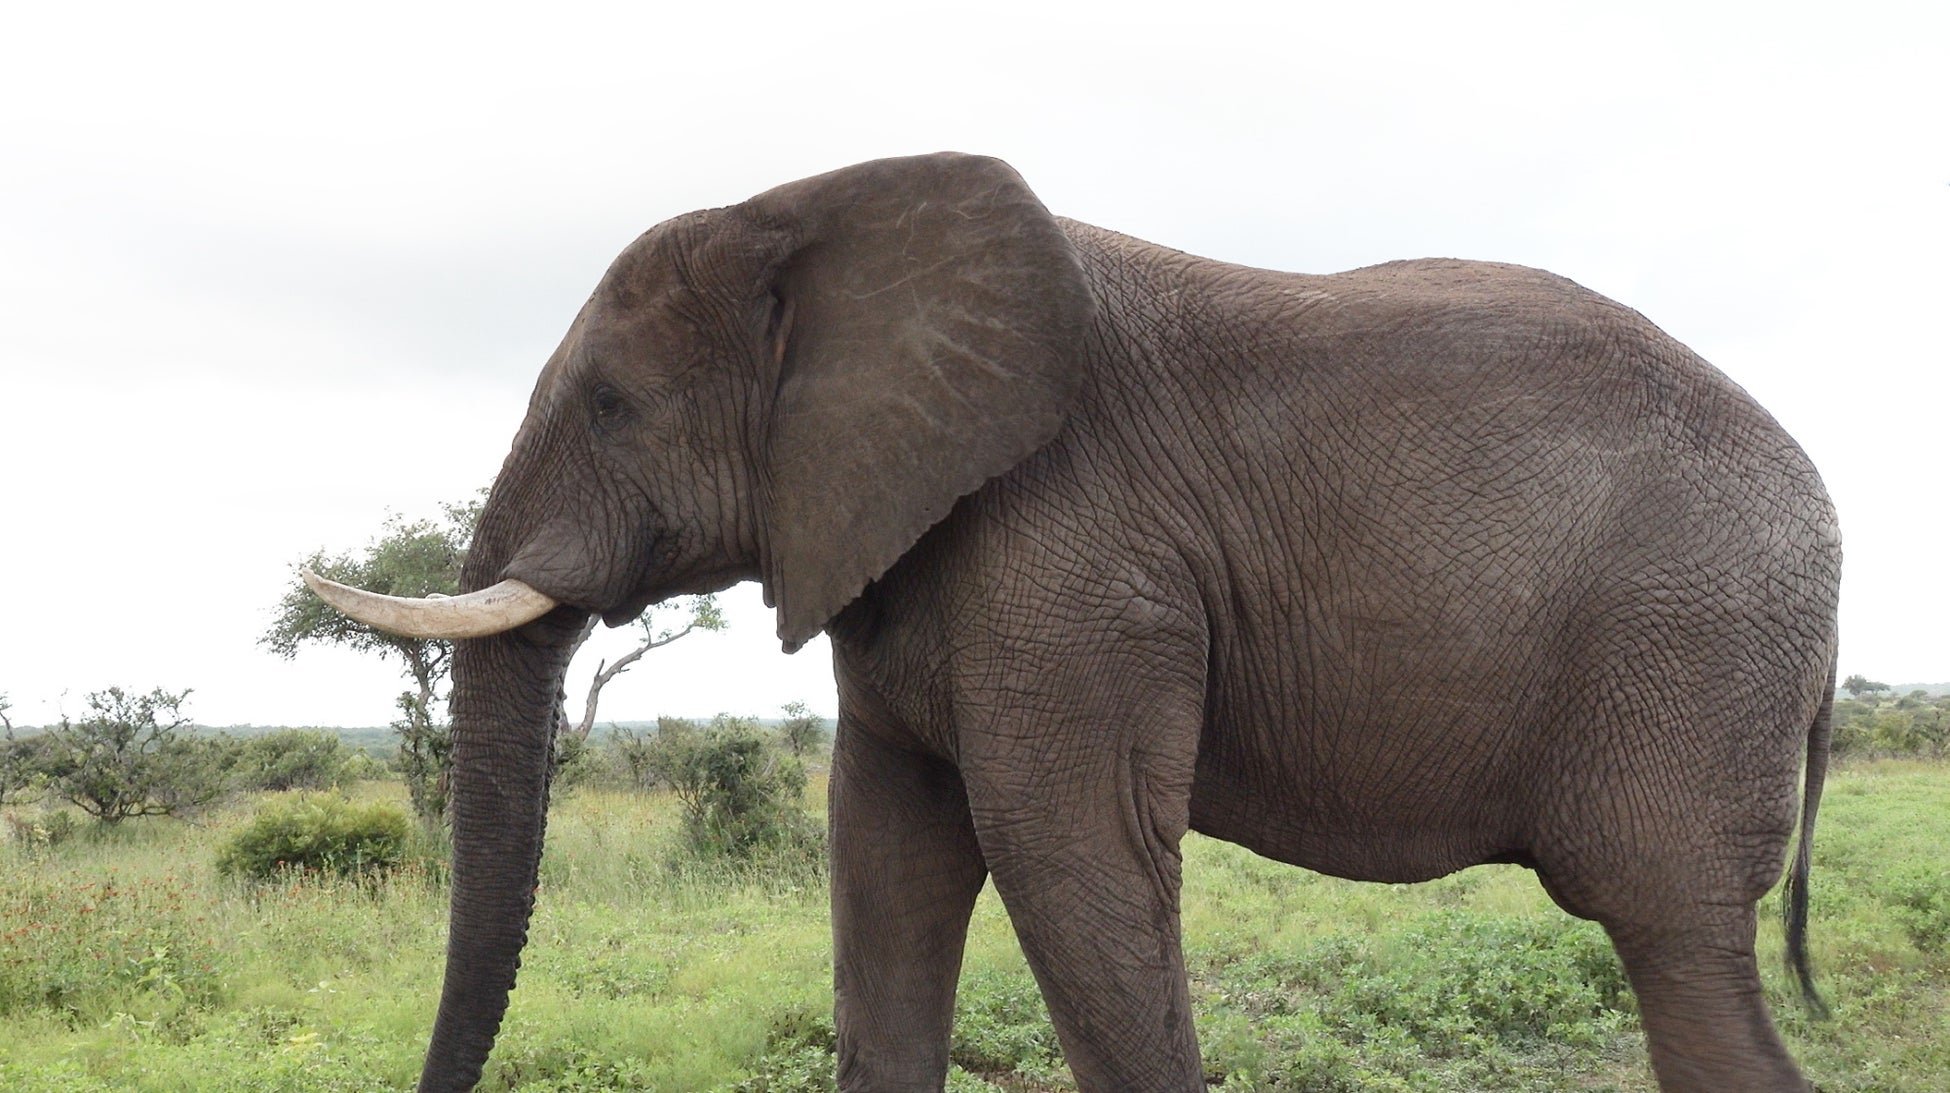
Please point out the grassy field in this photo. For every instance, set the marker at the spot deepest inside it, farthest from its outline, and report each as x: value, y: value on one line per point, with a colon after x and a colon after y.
x: 126, y: 963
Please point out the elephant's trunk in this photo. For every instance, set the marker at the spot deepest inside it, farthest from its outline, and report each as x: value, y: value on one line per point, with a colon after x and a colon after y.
x: 504, y: 708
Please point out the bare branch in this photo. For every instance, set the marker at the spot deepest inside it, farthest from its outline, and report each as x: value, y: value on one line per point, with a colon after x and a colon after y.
x: 705, y: 615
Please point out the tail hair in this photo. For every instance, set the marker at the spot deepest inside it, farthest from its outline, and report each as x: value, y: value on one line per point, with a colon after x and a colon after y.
x: 1794, y: 904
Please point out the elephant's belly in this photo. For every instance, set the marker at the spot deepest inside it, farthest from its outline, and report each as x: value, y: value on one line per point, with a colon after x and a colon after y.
x: 1398, y: 833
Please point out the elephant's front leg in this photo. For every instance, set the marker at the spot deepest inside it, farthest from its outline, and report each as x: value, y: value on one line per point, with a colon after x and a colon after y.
x: 1080, y: 822
x: 906, y: 871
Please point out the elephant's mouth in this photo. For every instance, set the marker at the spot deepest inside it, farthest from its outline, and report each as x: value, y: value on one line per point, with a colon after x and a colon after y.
x: 657, y: 567
x: 695, y: 583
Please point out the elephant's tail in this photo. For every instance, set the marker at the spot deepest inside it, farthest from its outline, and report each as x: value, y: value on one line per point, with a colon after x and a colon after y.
x: 1794, y: 905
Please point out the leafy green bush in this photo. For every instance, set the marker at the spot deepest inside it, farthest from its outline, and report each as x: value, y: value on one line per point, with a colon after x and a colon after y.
x: 291, y: 759
x: 42, y: 833
x: 740, y: 792
x: 23, y: 766
x: 321, y: 833
x: 578, y: 763
x: 132, y: 756
x: 640, y: 759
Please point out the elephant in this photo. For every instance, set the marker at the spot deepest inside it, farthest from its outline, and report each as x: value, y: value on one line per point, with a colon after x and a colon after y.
x: 1382, y: 573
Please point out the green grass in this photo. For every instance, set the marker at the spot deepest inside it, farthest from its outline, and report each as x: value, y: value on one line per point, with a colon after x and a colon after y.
x: 126, y: 962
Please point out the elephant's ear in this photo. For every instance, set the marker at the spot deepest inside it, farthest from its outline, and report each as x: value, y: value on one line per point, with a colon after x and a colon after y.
x: 929, y: 322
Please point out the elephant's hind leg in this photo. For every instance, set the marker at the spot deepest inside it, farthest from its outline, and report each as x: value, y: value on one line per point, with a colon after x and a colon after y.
x: 1677, y: 766
x: 1673, y: 871
x: 906, y: 871
x: 1699, y: 991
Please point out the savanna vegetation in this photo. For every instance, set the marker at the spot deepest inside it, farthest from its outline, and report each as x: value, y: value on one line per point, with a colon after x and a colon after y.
x: 1873, y: 722
x: 292, y: 939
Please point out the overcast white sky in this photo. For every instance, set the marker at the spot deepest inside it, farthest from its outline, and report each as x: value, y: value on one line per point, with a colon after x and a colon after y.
x: 270, y: 271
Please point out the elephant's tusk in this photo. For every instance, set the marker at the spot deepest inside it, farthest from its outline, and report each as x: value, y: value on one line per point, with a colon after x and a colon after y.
x: 473, y: 615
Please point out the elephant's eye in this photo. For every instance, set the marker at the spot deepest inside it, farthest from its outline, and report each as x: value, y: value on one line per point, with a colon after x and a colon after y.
x: 609, y: 405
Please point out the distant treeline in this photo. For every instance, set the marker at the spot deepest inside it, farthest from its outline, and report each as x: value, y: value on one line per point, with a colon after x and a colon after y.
x: 1904, y: 721
x: 379, y: 741
x: 1930, y: 690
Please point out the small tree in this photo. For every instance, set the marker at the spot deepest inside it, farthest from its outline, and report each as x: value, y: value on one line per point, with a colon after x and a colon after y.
x: 128, y: 758
x: 418, y: 558
x: 1859, y: 685
x: 413, y: 558
x: 803, y: 731
x: 12, y: 778
x: 19, y: 771
x: 409, y: 558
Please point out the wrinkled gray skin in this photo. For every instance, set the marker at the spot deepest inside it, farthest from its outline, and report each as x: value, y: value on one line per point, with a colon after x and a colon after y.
x: 1384, y: 574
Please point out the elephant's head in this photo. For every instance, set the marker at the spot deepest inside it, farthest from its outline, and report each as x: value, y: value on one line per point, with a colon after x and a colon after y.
x: 793, y: 389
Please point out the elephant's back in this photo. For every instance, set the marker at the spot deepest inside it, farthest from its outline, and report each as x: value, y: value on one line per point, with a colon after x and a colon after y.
x: 1438, y: 393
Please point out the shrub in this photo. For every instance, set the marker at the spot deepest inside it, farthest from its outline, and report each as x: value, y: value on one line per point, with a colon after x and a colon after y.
x: 320, y: 833
x: 641, y: 759
x: 129, y: 757
x: 291, y: 759
x: 40, y: 834
x: 741, y: 793
x: 24, y: 765
x: 1913, y: 726
x: 361, y: 767
x: 577, y: 763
